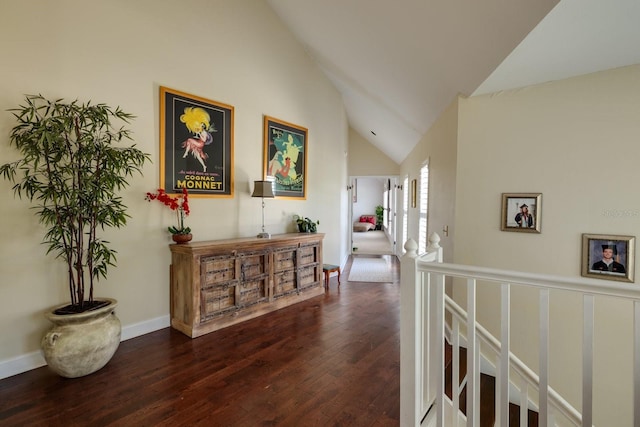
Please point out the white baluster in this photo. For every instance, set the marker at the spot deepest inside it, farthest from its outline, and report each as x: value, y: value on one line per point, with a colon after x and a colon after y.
x: 636, y: 365
x: 524, y: 404
x: 544, y: 358
x: 410, y: 398
x: 504, y: 354
x: 455, y: 372
x: 439, y: 347
x: 472, y: 364
x: 587, y: 360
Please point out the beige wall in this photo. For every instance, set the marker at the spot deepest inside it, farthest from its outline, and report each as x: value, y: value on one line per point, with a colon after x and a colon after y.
x: 576, y: 142
x: 364, y: 159
x: 438, y: 147
x: 119, y: 52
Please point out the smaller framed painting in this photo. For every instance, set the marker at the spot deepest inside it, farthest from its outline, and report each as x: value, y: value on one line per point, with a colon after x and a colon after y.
x: 354, y: 188
x: 521, y: 212
x: 285, y: 158
x: 608, y: 257
x: 414, y: 193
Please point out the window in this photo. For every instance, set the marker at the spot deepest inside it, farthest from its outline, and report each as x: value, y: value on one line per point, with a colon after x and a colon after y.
x: 424, y: 205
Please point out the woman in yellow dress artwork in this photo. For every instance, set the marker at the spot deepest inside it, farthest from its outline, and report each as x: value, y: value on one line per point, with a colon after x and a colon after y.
x: 198, y: 122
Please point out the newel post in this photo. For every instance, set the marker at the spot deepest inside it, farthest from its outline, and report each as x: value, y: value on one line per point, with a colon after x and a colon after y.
x: 409, y: 315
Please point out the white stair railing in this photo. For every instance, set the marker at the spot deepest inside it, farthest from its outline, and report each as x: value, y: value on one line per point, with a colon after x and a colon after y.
x: 423, y: 309
x: 415, y: 360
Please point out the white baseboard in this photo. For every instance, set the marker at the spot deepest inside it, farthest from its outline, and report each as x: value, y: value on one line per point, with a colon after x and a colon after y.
x: 141, y: 328
x: 20, y: 364
x: 29, y: 361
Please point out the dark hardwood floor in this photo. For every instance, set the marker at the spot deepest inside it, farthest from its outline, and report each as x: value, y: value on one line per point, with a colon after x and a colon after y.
x: 333, y: 360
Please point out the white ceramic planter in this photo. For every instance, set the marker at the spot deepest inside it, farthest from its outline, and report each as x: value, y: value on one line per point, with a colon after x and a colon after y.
x: 80, y: 344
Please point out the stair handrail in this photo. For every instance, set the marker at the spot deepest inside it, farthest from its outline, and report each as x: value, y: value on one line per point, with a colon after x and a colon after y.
x: 523, y: 370
x: 423, y: 299
x: 414, y: 401
x: 585, y: 286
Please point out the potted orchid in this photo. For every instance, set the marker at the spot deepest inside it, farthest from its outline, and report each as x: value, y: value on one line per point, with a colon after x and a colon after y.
x: 179, y: 204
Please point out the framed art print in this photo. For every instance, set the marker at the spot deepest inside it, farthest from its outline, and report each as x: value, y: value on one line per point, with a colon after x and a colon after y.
x: 521, y: 212
x: 196, y: 145
x: 285, y: 157
x: 414, y: 193
x: 354, y: 189
x: 608, y: 257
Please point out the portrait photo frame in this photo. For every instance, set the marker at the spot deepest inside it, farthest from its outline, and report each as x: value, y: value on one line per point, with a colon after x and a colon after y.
x: 285, y: 149
x: 196, y: 145
x: 521, y: 212
x: 414, y: 193
x: 618, y: 264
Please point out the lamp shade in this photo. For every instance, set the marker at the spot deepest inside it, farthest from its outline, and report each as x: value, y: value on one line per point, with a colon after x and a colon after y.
x: 263, y: 189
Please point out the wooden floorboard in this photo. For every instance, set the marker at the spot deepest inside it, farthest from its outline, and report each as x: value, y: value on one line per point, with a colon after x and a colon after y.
x: 333, y: 360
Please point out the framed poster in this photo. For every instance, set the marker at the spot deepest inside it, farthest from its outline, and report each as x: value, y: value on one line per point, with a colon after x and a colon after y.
x: 285, y: 158
x: 521, y: 212
x: 608, y: 257
x: 196, y: 145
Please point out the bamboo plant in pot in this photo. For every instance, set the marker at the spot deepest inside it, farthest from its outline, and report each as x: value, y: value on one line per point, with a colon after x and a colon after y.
x: 72, y: 168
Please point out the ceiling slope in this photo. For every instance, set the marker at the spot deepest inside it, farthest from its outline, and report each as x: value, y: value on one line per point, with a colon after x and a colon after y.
x: 399, y: 64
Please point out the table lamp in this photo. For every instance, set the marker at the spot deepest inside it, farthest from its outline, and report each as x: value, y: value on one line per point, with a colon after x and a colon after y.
x: 263, y: 189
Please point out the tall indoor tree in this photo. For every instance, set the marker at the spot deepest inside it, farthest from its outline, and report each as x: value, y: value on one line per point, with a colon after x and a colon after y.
x: 72, y: 168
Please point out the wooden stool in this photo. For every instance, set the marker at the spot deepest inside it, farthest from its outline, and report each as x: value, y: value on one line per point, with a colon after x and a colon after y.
x: 328, y: 269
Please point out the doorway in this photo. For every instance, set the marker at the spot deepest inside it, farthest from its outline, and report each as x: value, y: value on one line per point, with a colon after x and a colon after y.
x: 368, y: 194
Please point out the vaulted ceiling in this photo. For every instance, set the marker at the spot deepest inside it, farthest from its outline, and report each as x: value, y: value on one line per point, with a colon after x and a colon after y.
x: 398, y: 64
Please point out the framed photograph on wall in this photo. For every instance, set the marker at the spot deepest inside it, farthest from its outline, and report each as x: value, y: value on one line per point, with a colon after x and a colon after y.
x: 608, y: 257
x: 196, y: 145
x: 285, y: 157
x: 414, y: 193
x: 354, y: 189
x: 521, y: 212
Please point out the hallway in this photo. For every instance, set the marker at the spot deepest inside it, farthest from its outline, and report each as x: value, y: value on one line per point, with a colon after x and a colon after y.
x: 371, y: 243
x: 331, y: 360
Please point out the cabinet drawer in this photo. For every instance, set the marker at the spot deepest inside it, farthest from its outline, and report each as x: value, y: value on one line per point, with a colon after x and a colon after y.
x: 253, y: 265
x: 308, y: 254
x: 307, y: 276
x: 284, y: 282
x: 218, y: 269
x: 284, y: 259
x: 253, y: 291
x: 217, y: 299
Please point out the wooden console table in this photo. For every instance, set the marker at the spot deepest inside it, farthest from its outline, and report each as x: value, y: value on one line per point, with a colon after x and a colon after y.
x: 218, y: 283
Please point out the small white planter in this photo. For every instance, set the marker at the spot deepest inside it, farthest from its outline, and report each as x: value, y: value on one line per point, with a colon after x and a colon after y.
x: 80, y: 344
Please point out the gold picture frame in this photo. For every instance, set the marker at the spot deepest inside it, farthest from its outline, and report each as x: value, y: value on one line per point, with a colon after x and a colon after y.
x: 608, y: 257
x: 521, y: 212
x: 414, y: 193
x: 196, y: 145
x: 285, y: 158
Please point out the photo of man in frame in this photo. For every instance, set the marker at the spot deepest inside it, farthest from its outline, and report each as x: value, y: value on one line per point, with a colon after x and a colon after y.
x: 608, y: 257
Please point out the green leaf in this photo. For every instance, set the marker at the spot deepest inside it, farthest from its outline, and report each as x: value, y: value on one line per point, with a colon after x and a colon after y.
x: 72, y: 168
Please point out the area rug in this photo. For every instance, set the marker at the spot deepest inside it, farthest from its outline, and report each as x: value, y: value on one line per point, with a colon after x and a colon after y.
x: 372, y: 243
x: 366, y: 269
